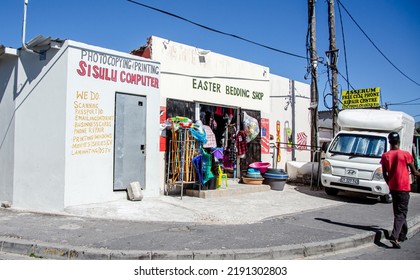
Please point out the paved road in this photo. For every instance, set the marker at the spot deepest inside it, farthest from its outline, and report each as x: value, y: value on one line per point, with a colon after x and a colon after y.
x: 293, y: 224
x: 16, y: 257
x: 410, y: 250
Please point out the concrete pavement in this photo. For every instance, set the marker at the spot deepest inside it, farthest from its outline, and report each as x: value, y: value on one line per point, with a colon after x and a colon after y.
x: 291, y: 224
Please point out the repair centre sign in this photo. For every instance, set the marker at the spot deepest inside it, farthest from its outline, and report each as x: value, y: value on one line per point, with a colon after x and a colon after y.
x: 361, y: 98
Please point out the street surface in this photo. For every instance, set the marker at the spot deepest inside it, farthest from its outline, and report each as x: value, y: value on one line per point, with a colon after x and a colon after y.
x: 410, y: 250
x: 291, y: 224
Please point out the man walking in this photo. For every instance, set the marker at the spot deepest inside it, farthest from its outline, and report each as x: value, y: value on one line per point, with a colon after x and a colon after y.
x: 395, y: 164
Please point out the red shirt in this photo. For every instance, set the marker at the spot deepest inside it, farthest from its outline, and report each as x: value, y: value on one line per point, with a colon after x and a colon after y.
x: 396, y: 163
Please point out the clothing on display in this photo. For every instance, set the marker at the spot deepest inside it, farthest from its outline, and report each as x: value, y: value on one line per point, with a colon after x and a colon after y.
x: 241, y: 143
x: 211, y: 138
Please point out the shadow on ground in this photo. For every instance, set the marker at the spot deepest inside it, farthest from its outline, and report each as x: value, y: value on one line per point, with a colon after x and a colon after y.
x: 342, y: 196
x: 379, y: 232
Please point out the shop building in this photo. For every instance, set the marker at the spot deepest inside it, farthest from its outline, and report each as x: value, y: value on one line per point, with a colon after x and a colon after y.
x: 77, y: 124
x: 221, y: 91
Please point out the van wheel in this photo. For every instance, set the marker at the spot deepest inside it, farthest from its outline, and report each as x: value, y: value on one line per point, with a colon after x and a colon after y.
x: 331, y: 191
x: 386, y: 198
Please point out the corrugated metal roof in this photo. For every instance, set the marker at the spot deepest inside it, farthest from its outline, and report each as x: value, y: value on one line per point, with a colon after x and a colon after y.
x: 43, y: 43
x: 39, y: 42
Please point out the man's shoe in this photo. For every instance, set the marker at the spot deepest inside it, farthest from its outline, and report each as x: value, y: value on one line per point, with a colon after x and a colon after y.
x: 395, y: 244
x: 402, y: 239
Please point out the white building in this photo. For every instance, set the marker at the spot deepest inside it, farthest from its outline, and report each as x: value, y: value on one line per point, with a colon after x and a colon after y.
x: 65, y: 124
x: 78, y: 123
x: 197, y: 82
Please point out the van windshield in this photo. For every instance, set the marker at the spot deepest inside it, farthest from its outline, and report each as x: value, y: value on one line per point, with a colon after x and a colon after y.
x: 359, y: 145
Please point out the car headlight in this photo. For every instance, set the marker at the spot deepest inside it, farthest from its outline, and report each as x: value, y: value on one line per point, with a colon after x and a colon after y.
x: 378, y: 175
x: 326, y: 167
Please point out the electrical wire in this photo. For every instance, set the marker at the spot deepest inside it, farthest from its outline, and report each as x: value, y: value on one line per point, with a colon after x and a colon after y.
x: 344, y: 47
x: 339, y: 73
x: 325, y: 95
x: 405, y: 102
x: 416, y: 104
x: 215, y: 30
x: 376, y: 47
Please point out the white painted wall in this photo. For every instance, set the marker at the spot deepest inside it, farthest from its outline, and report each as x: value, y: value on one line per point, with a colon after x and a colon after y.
x: 8, y: 65
x: 303, y: 117
x: 45, y: 171
x: 280, y: 96
x: 184, y: 77
x: 180, y: 67
x: 89, y: 177
x: 40, y: 120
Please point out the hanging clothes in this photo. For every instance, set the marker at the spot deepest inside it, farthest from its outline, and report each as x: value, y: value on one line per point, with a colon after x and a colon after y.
x: 219, y: 111
x: 211, y: 138
x: 241, y: 142
x: 232, y: 143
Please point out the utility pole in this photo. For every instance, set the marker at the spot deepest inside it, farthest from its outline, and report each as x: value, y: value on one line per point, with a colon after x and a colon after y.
x: 314, y: 78
x: 332, y: 54
x: 293, y: 103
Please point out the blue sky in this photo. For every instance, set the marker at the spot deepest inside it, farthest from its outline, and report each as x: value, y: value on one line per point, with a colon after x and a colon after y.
x: 393, y: 25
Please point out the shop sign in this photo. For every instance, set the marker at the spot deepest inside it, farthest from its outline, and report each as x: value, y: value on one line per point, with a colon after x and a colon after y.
x: 208, y: 86
x: 107, y: 67
x: 265, y: 136
x: 361, y: 98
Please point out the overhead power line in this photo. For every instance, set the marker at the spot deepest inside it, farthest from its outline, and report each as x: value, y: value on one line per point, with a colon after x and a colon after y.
x: 404, y: 103
x: 376, y: 47
x: 215, y: 30
x: 409, y: 101
x: 344, y: 46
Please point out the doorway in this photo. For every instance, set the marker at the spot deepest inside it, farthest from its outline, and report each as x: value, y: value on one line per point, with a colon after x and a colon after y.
x: 130, y: 140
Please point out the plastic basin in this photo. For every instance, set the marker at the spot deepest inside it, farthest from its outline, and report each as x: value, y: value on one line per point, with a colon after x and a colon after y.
x: 262, y: 166
x: 276, y: 179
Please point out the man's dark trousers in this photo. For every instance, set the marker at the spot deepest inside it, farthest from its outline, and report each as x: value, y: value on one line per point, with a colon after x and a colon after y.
x: 400, y: 206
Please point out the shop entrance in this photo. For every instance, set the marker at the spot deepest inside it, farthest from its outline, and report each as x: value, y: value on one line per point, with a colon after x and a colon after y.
x: 221, y: 120
x: 253, y: 148
x: 226, y: 131
x: 220, y: 124
x: 130, y: 140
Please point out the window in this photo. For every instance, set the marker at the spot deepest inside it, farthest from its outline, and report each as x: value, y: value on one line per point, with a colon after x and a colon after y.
x: 181, y: 108
x: 359, y: 145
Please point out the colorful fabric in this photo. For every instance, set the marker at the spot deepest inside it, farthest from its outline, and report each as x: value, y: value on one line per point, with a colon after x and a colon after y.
x: 301, y: 140
x: 219, y: 111
x: 211, y: 138
x: 241, y: 142
x: 232, y: 150
x: 232, y: 144
x: 206, y: 159
x: 396, y: 164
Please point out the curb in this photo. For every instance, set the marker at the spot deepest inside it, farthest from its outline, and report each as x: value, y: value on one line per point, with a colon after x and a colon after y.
x: 285, y: 252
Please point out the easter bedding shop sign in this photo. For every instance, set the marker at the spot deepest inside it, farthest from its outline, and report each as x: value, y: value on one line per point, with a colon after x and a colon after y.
x: 361, y: 98
x: 203, y: 85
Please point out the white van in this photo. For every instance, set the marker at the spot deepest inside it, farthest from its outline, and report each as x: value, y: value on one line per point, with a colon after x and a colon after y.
x: 352, y: 159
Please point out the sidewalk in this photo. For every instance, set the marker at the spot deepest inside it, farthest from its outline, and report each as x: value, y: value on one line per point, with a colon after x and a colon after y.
x: 290, y: 224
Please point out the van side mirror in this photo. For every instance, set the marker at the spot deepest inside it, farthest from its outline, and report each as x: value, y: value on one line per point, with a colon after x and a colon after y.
x: 324, y: 146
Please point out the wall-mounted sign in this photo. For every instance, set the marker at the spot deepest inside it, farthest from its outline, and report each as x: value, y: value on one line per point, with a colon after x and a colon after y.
x: 101, y: 66
x: 204, y: 85
x: 361, y: 98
